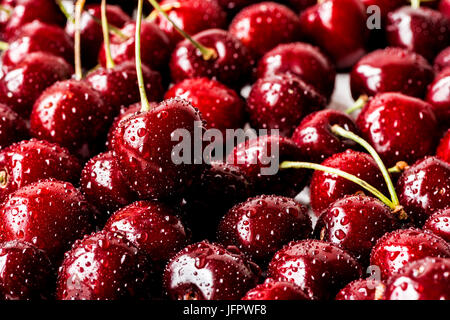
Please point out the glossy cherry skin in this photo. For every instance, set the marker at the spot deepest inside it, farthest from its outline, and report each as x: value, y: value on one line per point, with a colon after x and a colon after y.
x: 232, y: 6
x: 153, y: 228
x: 425, y: 31
x: 24, y: 83
x: 12, y: 127
x: 231, y: 67
x: 444, y: 7
x: 314, y: 136
x: 355, y: 223
x: 339, y: 28
x: 263, y: 26
x: 439, y: 96
x: 362, y: 289
x: 27, y: 273
x: 49, y: 214
x: 71, y: 114
x: 37, y: 36
x: 399, y: 127
x: 276, y: 290
x: 319, y: 268
x: 398, y: 248
x: 303, y: 60
x: 443, y: 150
x: 155, y: 46
x: 252, y: 155
x: 426, y: 279
x: 281, y: 102
x: 301, y: 4
x: 192, y: 16
x: 143, y: 144
x: 207, y: 271
x: 442, y: 60
x: 103, y: 266
x: 391, y: 70
x: 221, y: 107
x: 326, y: 188
x: 439, y: 224
x: 424, y: 188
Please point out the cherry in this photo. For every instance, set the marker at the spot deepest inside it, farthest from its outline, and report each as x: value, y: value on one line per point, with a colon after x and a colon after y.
x: 439, y: 96
x: 221, y: 107
x: 444, y: 7
x: 339, y: 28
x: 27, y: 273
x: 153, y: 228
x: 232, y: 6
x: 442, y: 60
x: 424, y: 188
x: 303, y: 60
x: 422, y: 30
x: 207, y: 271
x: 320, y: 269
x: 399, y: 127
x: 104, y: 185
x: 261, y: 226
x: 263, y: 26
x: 391, y: 70
x: 251, y: 157
x: 49, y: 214
x: 426, y: 279
x: 276, y: 290
x: 33, y: 160
x: 439, y: 224
x: 385, y: 6
x: 398, y: 248
x: 12, y: 127
x: 315, y: 138
x: 281, y: 102
x: 301, y: 5
x: 443, y: 150
x: 24, y: 83
x: 362, y: 289
x: 103, y: 266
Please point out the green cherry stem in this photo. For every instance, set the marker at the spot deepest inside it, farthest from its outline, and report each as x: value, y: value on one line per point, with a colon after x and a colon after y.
x: 415, y: 4
x: 8, y: 11
x: 207, y: 53
x: 64, y: 11
x: 359, y: 104
x: 145, y: 106
x: 109, y: 60
x: 78, y: 11
x: 4, y: 45
x: 166, y: 7
x: 399, y: 167
x: 113, y: 29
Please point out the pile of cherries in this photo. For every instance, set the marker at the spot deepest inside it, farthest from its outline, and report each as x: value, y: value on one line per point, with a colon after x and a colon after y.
x: 93, y: 207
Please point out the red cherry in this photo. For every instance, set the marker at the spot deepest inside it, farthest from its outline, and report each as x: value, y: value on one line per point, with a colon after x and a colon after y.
x: 442, y: 60
x: 443, y: 150
x: 385, y: 6
x: 301, y: 5
x: 206, y: 271
x: 103, y: 266
x: 233, y: 5
x: 362, y: 289
x: 12, y: 127
x: 276, y: 290
x: 396, y: 249
x: 439, y: 224
x: 319, y: 268
x: 391, y: 70
x: 439, y: 96
x: 444, y: 7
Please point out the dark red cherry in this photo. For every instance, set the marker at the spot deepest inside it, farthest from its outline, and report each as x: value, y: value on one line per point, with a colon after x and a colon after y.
x: 12, y: 127
x: 232, y: 65
x: 443, y: 150
x: 71, y: 114
x: 396, y: 249
x: 439, y: 224
x: 426, y: 279
x: 263, y: 26
x: 339, y: 28
x: 103, y: 266
x: 276, y: 290
x: 192, y: 16
x: 49, y: 214
x: 26, y: 81
x: 221, y: 107
x: 399, y: 127
x: 391, y: 70
x: 206, y: 271
x: 424, y: 188
x: 232, y: 6
x: 259, y: 159
x: 439, y: 96
x: 104, y: 185
x: 362, y: 289
x: 442, y: 60
x: 261, y: 226
x: 326, y: 188
x: 303, y: 60
x: 281, y: 102
x: 27, y: 273
x: 301, y: 5
x: 385, y: 6
x: 155, y: 46
x: 444, y: 7
x: 314, y: 136
x: 355, y: 223
x: 422, y: 30
x: 319, y: 268
x: 153, y: 228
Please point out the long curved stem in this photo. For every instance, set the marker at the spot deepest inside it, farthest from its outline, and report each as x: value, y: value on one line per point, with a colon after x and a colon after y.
x: 64, y: 11
x: 109, y: 60
x: 78, y: 11
x: 166, y: 7
x: 359, y: 104
x: 113, y: 29
x: 145, y: 106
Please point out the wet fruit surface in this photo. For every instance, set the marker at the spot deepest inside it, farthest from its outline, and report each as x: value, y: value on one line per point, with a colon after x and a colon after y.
x: 443, y: 150
x: 439, y: 224
x: 12, y: 126
x: 439, y: 96
x: 364, y: 289
x: 276, y: 290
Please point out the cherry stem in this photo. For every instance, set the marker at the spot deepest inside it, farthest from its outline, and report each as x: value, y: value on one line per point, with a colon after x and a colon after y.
x: 399, y: 167
x: 207, y: 53
x: 339, y: 131
x: 113, y: 29
x: 8, y: 11
x: 109, y: 60
x: 166, y: 7
x: 314, y: 166
x: 415, y: 4
x: 359, y: 104
x: 78, y: 11
x: 3, y: 178
x: 64, y: 11
x: 4, y: 45
x: 145, y: 106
